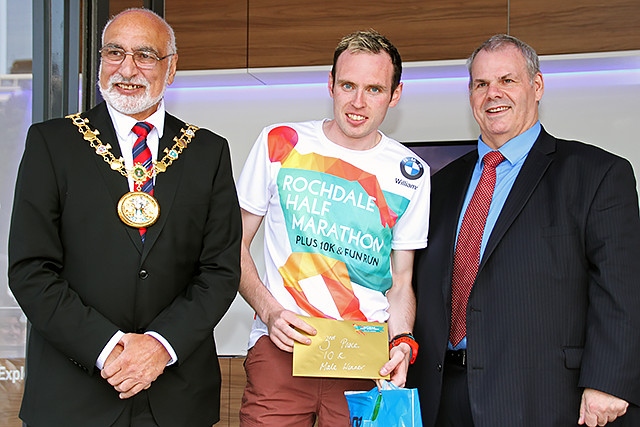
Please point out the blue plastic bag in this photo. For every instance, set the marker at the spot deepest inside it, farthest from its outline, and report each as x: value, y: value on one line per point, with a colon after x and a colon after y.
x: 390, y: 406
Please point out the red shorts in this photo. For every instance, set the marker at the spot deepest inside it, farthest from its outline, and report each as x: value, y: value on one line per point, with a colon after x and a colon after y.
x: 273, y: 397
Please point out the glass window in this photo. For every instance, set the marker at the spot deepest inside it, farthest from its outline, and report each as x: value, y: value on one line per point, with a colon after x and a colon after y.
x: 15, y: 118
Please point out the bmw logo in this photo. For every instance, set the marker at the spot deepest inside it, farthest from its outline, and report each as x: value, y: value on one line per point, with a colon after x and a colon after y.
x: 411, y: 168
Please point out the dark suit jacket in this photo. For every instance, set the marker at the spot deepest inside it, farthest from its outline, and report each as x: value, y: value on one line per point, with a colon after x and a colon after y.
x: 80, y: 274
x: 556, y: 303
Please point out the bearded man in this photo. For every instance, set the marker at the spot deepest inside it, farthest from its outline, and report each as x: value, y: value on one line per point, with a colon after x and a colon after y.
x: 125, y: 249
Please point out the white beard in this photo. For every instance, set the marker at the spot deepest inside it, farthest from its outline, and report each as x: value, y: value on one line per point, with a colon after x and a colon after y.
x: 127, y: 104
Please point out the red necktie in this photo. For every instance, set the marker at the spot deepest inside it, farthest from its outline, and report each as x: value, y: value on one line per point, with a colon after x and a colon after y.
x: 142, y: 155
x: 467, y: 256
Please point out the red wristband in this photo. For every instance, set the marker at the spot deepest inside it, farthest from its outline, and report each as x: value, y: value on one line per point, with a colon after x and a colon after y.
x: 408, y: 339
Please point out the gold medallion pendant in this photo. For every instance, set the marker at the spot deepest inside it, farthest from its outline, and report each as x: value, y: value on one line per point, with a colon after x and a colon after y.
x: 138, y: 209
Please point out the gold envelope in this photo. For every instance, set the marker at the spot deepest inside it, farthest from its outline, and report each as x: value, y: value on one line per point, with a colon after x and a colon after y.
x: 342, y: 349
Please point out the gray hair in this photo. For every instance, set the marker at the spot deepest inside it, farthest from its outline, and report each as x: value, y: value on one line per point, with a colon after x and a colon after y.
x: 500, y: 41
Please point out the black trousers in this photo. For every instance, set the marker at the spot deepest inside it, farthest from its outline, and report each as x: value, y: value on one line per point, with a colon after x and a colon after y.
x: 455, y: 409
x: 137, y: 413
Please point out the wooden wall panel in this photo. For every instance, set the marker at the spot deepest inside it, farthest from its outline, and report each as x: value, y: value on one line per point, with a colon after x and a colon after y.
x: 237, y: 381
x: 299, y: 32
x: 220, y: 34
x: 233, y: 381
x: 225, y: 371
x: 210, y: 34
x: 116, y: 6
x: 575, y: 26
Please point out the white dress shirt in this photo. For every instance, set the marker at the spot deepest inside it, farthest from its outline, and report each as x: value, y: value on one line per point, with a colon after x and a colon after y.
x: 123, y: 125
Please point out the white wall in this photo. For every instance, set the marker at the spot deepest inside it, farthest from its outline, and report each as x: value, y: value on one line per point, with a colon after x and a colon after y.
x: 593, y: 98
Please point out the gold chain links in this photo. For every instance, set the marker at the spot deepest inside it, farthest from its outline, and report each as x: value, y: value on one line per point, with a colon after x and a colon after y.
x: 104, y: 150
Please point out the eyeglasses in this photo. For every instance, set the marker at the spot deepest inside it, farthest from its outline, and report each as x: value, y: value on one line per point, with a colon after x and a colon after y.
x: 143, y: 59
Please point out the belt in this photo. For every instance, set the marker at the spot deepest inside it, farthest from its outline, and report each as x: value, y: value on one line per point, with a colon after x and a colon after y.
x: 456, y: 357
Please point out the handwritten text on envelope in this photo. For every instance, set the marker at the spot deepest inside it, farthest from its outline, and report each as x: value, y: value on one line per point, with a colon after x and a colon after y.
x: 342, y: 349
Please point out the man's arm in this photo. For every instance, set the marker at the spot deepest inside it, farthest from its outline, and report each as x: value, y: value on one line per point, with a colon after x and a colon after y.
x: 37, y: 254
x: 402, y: 314
x: 609, y: 370
x: 279, y: 321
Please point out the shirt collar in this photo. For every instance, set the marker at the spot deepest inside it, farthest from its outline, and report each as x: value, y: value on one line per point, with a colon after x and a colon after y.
x: 516, y: 148
x: 124, y: 123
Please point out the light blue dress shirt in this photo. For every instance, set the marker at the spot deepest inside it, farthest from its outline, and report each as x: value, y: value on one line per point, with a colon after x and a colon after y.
x: 515, y: 152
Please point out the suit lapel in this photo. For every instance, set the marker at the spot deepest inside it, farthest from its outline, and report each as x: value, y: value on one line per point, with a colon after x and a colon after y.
x: 538, y: 160
x: 117, y: 185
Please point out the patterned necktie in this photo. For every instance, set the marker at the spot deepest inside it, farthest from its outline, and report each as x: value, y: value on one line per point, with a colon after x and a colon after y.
x: 142, y: 155
x: 467, y: 256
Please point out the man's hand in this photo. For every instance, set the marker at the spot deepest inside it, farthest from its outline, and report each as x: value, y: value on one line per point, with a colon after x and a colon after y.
x: 281, y: 326
x: 114, y: 354
x: 598, y: 408
x: 141, y: 360
x: 398, y: 364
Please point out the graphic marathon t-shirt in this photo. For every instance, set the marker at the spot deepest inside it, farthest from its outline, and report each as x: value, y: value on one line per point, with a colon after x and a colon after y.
x: 332, y: 217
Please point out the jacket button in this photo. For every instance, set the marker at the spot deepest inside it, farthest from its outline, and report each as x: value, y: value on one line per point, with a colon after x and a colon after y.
x: 439, y: 367
x: 143, y: 274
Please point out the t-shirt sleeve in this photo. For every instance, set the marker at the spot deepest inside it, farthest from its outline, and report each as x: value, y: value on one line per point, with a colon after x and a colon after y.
x: 412, y: 228
x: 253, y: 183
